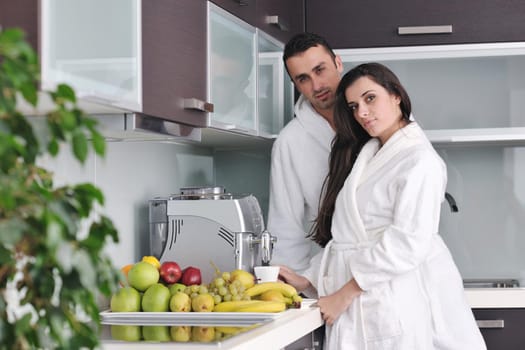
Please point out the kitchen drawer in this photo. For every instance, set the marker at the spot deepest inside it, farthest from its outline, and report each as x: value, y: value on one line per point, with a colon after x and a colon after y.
x: 502, y: 329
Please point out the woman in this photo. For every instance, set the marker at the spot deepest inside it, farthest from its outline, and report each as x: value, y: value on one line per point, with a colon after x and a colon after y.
x: 386, y: 278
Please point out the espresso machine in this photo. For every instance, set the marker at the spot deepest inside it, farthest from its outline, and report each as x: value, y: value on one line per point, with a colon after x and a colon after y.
x: 206, y: 227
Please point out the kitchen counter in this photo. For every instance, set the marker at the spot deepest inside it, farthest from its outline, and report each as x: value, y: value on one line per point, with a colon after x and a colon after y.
x: 284, y: 330
x: 485, y: 298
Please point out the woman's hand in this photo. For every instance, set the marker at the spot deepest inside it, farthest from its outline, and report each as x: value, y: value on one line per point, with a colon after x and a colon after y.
x: 289, y: 276
x: 333, y: 305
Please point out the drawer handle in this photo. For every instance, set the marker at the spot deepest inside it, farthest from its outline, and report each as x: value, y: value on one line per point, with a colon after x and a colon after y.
x: 444, y: 29
x: 491, y: 323
x: 279, y: 22
x: 195, y: 103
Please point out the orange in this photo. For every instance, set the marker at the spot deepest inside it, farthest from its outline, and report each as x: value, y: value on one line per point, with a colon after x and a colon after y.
x: 125, y: 269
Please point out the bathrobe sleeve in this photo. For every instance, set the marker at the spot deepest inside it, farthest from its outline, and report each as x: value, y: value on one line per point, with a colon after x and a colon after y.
x: 287, y: 208
x: 417, y: 189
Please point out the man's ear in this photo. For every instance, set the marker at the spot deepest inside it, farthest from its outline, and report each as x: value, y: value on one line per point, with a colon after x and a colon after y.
x: 339, y: 64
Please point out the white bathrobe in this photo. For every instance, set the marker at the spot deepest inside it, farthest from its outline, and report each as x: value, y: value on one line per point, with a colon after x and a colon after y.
x: 299, y: 167
x: 385, y: 235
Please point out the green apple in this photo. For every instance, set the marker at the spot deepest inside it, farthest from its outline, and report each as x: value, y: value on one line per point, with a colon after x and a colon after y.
x: 156, y: 333
x: 203, y: 303
x: 203, y: 334
x: 180, y: 333
x: 127, y: 332
x: 176, y: 287
x: 180, y: 302
x: 142, y: 275
x: 126, y: 299
x: 156, y: 298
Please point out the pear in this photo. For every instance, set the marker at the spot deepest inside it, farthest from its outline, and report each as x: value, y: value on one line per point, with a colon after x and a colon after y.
x: 180, y: 302
x: 246, y: 278
x: 180, y: 333
x: 203, y: 334
x: 203, y: 303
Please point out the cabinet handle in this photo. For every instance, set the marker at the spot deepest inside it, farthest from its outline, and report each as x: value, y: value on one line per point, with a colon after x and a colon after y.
x: 195, y: 103
x: 444, y: 29
x: 279, y: 22
x: 491, y: 323
x: 241, y: 2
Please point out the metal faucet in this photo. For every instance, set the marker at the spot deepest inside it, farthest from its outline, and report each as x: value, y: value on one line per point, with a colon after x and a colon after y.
x: 266, y: 242
x: 451, y: 202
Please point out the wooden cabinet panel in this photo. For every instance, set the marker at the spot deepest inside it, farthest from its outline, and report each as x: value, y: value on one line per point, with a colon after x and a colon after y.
x: 511, y: 336
x: 244, y: 9
x: 351, y: 23
x: 174, y: 58
x: 280, y: 19
x: 24, y: 15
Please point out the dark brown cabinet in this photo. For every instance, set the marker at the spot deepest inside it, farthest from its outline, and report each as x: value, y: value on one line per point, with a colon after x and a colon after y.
x: 502, y: 329
x: 280, y: 19
x: 244, y: 9
x: 174, y: 60
x: 353, y: 24
x: 23, y: 15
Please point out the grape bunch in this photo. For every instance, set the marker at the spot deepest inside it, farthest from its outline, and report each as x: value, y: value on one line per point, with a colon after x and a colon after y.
x: 224, y: 288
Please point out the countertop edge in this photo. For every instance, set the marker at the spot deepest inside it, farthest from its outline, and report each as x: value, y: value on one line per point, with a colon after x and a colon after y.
x: 488, y: 298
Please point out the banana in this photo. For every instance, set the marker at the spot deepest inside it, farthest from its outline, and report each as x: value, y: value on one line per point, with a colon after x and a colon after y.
x: 263, y: 306
x: 230, y: 306
x: 274, y: 295
x: 286, y: 289
x: 250, y: 306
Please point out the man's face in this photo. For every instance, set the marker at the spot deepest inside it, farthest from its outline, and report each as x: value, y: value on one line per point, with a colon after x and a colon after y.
x: 316, y: 75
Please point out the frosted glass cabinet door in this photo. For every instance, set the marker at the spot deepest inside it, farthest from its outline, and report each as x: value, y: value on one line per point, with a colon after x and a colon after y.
x: 93, y: 46
x: 272, y: 100
x: 232, y: 77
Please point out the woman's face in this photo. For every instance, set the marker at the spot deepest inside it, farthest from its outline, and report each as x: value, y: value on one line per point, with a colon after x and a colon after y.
x: 374, y: 108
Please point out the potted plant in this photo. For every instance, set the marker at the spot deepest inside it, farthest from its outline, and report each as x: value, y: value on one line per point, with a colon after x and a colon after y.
x: 51, y: 271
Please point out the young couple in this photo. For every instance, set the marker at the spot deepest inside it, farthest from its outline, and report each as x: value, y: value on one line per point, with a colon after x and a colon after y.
x: 383, y: 275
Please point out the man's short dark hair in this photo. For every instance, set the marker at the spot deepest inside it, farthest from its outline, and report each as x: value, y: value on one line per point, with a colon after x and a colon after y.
x: 302, y: 42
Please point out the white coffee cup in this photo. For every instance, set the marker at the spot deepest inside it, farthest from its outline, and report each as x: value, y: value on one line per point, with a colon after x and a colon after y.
x: 266, y: 273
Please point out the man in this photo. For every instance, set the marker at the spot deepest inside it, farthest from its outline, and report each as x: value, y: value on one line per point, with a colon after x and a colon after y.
x: 300, y: 153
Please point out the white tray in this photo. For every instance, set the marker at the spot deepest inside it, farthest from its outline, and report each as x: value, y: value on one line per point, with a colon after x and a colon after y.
x: 187, y: 318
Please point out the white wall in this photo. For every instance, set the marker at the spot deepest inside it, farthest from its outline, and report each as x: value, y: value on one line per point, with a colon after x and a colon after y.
x: 129, y: 175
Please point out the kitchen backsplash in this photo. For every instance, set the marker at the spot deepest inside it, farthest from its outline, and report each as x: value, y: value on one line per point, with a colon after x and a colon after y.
x: 487, y: 234
x: 129, y: 175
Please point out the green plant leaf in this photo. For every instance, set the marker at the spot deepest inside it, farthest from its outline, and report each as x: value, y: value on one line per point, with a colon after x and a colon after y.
x: 80, y: 146
x: 52, y: 147
x: 99, y: 143
x: 29, y: 92
x: 65, y: 92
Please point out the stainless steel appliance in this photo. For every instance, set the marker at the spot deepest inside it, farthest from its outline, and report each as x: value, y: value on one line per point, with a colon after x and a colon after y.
x: 205, y: 226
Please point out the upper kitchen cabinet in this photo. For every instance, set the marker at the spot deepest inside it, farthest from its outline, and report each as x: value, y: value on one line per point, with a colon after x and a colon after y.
x: 232, y: 84
x: 100, y: 58
x: 24, y: 15
x: 243, y: 9
x: 275, y: 89
x: 174, y: 60
x: 138, y: 56
x: 280, y: 19
x: 461, y: 94
x: 352, y: 24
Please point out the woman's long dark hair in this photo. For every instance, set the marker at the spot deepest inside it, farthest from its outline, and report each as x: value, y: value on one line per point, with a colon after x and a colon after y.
x: 349, y: 138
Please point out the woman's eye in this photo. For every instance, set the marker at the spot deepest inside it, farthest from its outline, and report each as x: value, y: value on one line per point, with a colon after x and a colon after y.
x: 370, y: 98
x: 352, y: 107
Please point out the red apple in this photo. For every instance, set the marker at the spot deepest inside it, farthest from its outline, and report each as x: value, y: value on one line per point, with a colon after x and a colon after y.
x: 191, y: 275
x: 170, y: 272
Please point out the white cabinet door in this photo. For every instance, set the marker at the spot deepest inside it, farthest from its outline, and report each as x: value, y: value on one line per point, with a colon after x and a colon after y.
x: 95, y: 47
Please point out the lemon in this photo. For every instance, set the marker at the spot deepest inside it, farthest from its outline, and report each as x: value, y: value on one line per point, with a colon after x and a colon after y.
x: 151, y: 260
